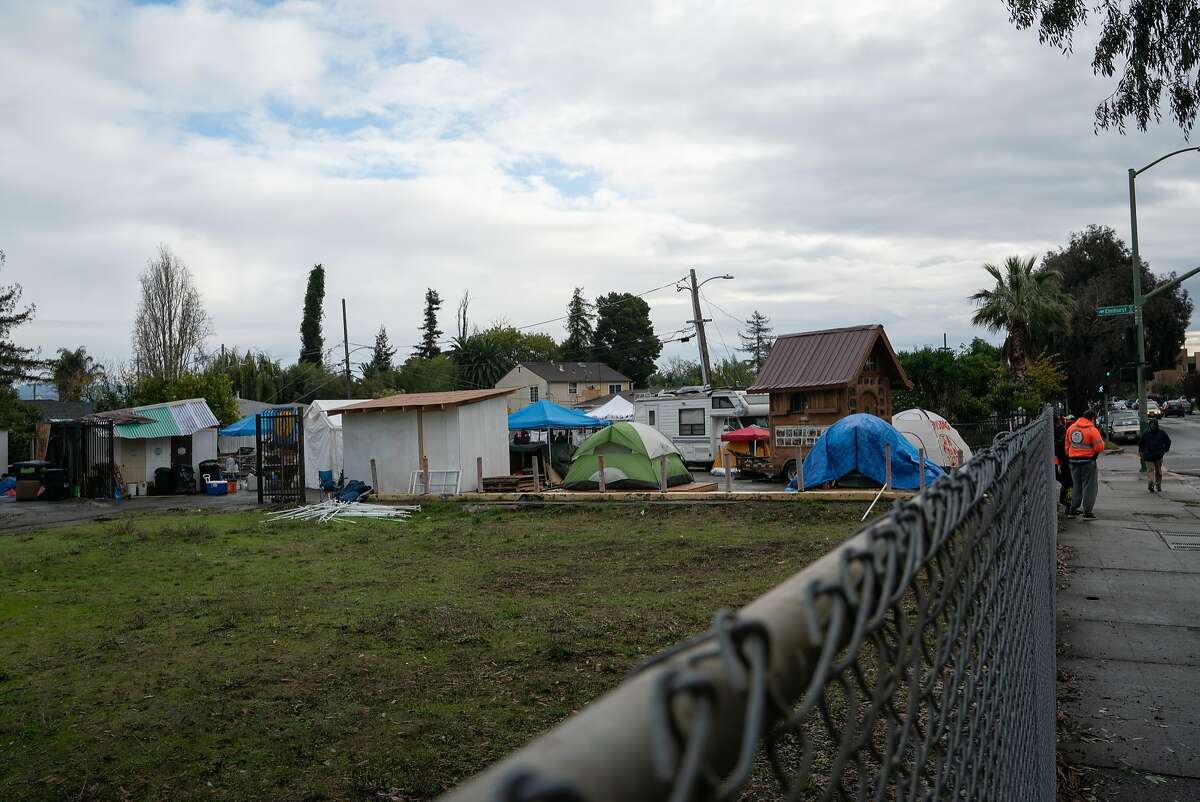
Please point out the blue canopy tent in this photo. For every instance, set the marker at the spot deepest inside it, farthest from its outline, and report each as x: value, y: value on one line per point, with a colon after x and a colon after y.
x: 856, y: 443
x: 545, y: 415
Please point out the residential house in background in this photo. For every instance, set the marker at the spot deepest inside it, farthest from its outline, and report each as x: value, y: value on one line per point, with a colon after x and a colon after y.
x: 51, y: 410
x: 564, y: 383
x: 816, y: 378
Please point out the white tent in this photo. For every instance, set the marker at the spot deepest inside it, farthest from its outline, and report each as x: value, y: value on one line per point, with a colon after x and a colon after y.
x: 928, y: 430
x: 617, y: 408
x: 323, y: 440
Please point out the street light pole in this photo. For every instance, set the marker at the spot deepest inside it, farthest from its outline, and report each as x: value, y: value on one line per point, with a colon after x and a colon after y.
x: 699, y: 321
x: 1138, y: 298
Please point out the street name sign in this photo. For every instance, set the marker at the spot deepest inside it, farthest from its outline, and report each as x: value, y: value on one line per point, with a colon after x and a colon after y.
x: 1110, y: 311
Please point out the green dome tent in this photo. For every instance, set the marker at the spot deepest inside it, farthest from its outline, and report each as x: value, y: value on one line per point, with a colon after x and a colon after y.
x: 631, y: 454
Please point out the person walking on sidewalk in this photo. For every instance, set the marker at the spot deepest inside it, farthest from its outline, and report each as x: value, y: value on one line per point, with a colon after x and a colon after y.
x: 1153, y: 446
x: 1062, y: 468
x: 1084, y: 444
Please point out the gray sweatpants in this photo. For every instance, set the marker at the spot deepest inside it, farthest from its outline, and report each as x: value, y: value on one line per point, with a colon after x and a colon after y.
x: 1083, y: 484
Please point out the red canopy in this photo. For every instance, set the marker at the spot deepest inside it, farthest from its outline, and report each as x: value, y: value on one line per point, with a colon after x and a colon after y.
x: 749, y: 434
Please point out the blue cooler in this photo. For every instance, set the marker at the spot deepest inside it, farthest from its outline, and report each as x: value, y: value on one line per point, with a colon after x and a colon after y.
x: 216, y: 488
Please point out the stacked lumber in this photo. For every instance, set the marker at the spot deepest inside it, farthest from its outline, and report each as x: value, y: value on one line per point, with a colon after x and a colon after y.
x: 507, y: 484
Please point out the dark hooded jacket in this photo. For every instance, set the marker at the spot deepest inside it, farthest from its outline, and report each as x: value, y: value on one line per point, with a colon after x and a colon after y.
x: 1153, y: 444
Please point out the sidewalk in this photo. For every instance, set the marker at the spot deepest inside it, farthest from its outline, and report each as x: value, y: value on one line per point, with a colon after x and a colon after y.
x: 1129, y: 636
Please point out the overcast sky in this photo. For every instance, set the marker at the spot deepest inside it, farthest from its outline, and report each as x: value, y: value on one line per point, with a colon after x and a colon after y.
x: 849, y: 162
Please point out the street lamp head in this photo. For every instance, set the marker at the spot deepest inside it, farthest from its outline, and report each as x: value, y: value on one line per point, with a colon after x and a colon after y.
x: 727, y: 276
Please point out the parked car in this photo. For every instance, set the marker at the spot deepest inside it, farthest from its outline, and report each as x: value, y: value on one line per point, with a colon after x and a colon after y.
x: 1174, y: 407
x: 1124, y: 427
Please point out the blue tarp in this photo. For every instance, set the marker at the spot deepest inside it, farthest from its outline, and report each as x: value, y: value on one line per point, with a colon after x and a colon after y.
x: 856, y: 443
x: 548, y: 415
x: 245, y: 426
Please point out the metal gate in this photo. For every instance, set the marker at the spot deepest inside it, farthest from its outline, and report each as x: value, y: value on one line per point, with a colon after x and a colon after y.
x: 84, y: 448
x: 279, y: 440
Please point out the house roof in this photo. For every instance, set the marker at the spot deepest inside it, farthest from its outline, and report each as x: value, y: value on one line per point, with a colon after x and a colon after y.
x: 574, y: 371
x: 170, y: 419
x: 443, y: 400
x: 50, y: 409
x: 827, y: 358
x: 601, y: 400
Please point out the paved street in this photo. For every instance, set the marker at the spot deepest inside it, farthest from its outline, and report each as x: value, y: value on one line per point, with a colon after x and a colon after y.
x: 1129, y: 664
x: 1185, y: 444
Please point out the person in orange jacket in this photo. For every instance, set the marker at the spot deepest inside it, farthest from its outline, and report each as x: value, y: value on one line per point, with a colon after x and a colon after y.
x: 1084, y: 444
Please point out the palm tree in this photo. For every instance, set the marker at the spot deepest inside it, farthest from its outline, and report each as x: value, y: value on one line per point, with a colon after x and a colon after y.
x: 75, y: 373
x: 1025, y: 302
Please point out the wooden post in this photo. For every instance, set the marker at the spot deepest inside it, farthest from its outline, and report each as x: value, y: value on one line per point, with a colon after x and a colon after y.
x: 424, y: 475
x: 600, y: 465
x: 421, y: 449
x: 537, y: 479
x: 725, y: 461
x: 887, y: 459
x: 662, y: 473
x: 799, y: 469
x: 479, y: 474
x: 374, y: 477
x: 921, y: 453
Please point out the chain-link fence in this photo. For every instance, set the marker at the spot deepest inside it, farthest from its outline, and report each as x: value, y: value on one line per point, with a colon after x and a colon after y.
x: 913, y: 662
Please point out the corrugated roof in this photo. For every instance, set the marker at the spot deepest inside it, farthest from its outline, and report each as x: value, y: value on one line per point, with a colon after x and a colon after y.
x: 162, y: 424
x: 574, y: 371
x: 450, y: 398
x: 170, y: 419
x: 822, y: 358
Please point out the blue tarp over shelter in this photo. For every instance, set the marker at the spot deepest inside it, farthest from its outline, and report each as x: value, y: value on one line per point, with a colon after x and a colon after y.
x: 245, y: 426
x: 548, y: 415
x: 856, y: 443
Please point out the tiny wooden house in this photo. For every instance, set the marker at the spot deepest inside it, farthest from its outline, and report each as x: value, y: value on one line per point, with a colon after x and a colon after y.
x: 816, y: 378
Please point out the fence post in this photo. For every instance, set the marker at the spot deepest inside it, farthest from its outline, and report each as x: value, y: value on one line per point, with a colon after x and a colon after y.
x: 479, y: 474
x: 662, y: 473
x: 374, y: 477
x: 728, y: 471
x: 887, y: 457
x: 600, y: 466
x: 799, y: 469
x: 424, y: 475
x: 537, y: 478
x: 921, y: 468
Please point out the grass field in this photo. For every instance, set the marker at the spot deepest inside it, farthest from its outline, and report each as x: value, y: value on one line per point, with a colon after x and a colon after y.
x: 216, y: 657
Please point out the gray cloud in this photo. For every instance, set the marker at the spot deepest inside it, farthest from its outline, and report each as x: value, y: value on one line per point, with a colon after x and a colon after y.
x: 848, y: 163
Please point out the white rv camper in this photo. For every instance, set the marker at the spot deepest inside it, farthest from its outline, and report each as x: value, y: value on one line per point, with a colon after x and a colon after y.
x: 695, y: 417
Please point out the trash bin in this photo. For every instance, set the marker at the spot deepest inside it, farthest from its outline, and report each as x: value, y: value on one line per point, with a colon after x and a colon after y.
x: 56, y: 484
x: 33, y: 469
x: 164, y: 481
x: 210, y: 468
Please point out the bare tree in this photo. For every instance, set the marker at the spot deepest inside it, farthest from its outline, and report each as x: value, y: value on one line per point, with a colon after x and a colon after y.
x: 462, y: 314
x: 171, y: 324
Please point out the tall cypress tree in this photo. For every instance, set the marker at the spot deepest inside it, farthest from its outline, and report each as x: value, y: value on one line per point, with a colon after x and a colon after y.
x: 580, y: 333
x: 312, y: 344
x: 430, y: 333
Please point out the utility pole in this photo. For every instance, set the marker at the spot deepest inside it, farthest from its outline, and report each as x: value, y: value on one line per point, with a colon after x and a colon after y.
x: 346, y: 343
x: 705, y: 368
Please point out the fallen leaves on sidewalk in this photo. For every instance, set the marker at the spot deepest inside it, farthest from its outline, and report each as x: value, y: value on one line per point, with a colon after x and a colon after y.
x: 1065, y: 553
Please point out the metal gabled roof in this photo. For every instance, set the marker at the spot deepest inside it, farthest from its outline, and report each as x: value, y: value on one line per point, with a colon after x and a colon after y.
x: 162, y: 424
x: 823, y: 359
x: 172, y: 419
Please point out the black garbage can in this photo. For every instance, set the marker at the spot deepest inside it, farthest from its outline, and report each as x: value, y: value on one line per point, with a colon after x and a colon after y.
x: 56, y: 484
x: 211, y: 468
x: 164, y: 481
x: 30, y: 470
x: 185, y: 480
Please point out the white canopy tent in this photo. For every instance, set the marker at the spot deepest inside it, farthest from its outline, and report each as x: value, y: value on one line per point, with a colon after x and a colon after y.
x: 928, y: 430
x: 323, y: 439
x: 616, y: 408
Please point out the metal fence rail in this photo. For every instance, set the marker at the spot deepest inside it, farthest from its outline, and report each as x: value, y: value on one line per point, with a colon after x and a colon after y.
x: 913, y: 662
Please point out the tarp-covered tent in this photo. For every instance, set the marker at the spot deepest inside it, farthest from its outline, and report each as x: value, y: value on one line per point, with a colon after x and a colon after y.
x: 616, y: 408
x: 631, y: 459
x: 242, y: 428
x: 323, y: 439
x: 929, y: 430
x: 857, y: 443
x: 548, y: 415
